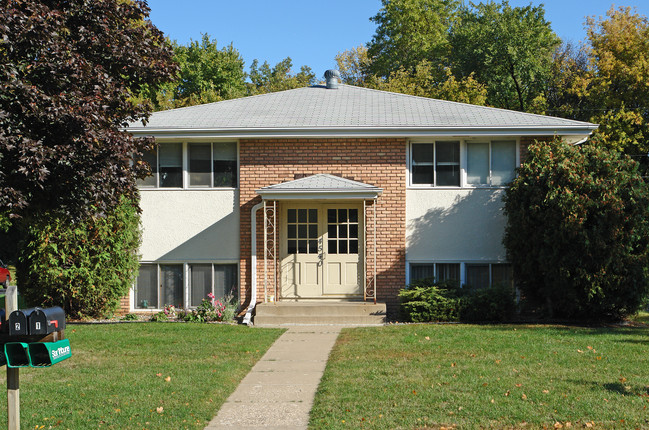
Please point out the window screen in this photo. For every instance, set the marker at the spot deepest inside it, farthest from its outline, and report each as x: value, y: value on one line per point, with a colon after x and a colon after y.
x: 200, y: 170
x: 447, y: 163
x: 146, y: 287
x: 170, y: 161
x: 171, y: 282
x: 226, y: 281
x: 225, y: 164
x: 200, y: 283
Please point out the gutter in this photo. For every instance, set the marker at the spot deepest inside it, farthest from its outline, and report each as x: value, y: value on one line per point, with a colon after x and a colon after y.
x: 247, y: 319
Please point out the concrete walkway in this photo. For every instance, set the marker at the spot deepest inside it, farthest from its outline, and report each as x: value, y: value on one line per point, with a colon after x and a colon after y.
x: 279, y: 390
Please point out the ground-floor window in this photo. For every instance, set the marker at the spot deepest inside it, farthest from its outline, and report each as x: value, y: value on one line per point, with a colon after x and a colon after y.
x: 184, y: 285
x: 474, y: 275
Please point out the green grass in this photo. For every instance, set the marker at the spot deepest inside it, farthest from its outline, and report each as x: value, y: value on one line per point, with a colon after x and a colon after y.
x: 641, y: 317
x: 484, y: 376
x: 120, y: 374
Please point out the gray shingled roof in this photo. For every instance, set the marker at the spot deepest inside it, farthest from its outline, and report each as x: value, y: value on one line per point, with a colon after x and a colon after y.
x: 322, y: 184
x: 348, y: 108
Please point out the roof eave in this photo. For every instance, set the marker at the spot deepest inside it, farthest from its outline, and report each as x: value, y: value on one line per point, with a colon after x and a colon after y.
x: 368, y: 194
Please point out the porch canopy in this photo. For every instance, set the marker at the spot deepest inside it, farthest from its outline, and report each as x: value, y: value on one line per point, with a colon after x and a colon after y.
x: 319, y: 187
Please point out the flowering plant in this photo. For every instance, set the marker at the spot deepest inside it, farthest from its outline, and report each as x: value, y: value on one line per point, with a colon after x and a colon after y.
x: 170, y: 311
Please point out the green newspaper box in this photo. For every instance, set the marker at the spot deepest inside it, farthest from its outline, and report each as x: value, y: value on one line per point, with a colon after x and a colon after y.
x: 45, y: 354
x: 16, y: 353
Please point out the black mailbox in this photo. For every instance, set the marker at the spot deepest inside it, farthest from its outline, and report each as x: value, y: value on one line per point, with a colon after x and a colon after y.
x: 19, y: 322
x: 46, y: 321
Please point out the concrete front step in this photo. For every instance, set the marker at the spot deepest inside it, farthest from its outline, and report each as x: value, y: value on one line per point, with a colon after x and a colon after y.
x: 332, y: 313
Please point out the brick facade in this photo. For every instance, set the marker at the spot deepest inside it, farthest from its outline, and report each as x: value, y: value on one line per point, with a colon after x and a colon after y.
x: 379, y: 162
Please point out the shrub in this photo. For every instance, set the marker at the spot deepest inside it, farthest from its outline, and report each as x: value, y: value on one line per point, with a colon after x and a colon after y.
x: 495, y: 304
x: 577, y: 231
x: 84, y: 266
x: 159, y: 317
x: 429, y: 301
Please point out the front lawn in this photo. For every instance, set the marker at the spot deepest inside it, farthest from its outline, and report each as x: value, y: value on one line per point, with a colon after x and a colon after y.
x: 485, y: 376
x: 140, y: 376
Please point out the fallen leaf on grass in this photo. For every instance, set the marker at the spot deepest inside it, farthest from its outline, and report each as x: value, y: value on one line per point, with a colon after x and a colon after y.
x: 159, y: 409
x: 158, y: 374
x: 168, y: 379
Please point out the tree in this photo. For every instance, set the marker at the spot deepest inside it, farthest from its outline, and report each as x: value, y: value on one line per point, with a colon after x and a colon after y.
x: 408, y: 32
x: 206, y: 74
x: 619, y: 54
x: 279, y: 78
x: 85, y: 266
x: 68, y: 71
x: 567, y: 91
x: 422, y: 83
x: 509, y: 49
x: 577, y: 231
x: 353, y: 65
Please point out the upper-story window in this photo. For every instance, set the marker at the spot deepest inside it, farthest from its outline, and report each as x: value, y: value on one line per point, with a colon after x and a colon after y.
x: 436, y: 164
x: 192, y: 165
x: 446, y: 163
x: 490, y: 163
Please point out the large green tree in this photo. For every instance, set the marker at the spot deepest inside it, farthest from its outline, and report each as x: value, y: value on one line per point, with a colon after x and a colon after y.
x: 577, y: 231
x: 206, y: 74
x: 267, y: 79
x: 410, y: 31
x: 509, y: 49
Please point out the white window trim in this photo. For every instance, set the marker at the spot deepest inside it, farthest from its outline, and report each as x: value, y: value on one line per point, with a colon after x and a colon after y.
x: 186, y: 292
x: 463, y: 162
x: 185, y: 166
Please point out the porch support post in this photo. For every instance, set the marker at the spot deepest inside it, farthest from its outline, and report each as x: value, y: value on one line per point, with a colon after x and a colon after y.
x: 374, y: 216
x: 265, y: 253
x: 365, y: 250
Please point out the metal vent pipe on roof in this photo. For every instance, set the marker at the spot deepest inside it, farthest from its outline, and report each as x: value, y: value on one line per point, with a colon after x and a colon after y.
x: 333, y: 78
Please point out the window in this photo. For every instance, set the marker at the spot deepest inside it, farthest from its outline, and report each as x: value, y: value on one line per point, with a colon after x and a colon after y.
x: 158, y: 285
x: 440, y: 272
x: 487, y: 275
x: 342, y: 231
x: 302, y: 231
x: 209, y: 165
x: 490, y: 163
x: 436, y: 163
x: 468, y: 163
x: 170, y: 162
x: 472, y: 275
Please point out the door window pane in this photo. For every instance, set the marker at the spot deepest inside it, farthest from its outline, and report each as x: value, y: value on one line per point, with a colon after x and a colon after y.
x: 302, y: 224
x: 447, y: 163
x: 503, y: 162
x: 151, y: 158
x: 226, y: 282
x: 342, y: 230
x: 171, y: 165
x: 477, y: 169
x: 225, y: 164
x: 200, y: 171
x: 200, y: 283
x: 146, y: 287
x: 171, y: 285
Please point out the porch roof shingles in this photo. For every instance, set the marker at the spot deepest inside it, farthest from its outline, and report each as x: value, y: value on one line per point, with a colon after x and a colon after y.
x: 346, y: 108
x: 321, y: 186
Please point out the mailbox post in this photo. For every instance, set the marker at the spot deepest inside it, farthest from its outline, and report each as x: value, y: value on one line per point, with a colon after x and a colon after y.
x: 13, y: 374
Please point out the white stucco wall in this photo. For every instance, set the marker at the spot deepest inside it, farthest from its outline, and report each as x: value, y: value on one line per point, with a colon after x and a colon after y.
x: 190, y: 225
x: 454, y: 225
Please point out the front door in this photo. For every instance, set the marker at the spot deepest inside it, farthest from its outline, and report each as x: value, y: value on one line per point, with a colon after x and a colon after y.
x: 321, y: 250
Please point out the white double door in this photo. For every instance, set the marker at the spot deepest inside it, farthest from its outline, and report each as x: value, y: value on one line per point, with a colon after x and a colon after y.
x: 321, y: 250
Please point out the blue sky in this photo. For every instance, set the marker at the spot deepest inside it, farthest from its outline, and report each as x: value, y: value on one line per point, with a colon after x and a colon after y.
x: 313, y: 32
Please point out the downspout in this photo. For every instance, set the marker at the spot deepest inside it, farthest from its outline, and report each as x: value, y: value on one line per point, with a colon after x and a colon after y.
x: 253, y: 264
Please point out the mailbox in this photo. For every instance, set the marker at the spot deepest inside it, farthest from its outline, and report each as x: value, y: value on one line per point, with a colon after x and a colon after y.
x: 45, y: 354
x: 19, y: 323
x: 46, y: 321
x: 17, y: 354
